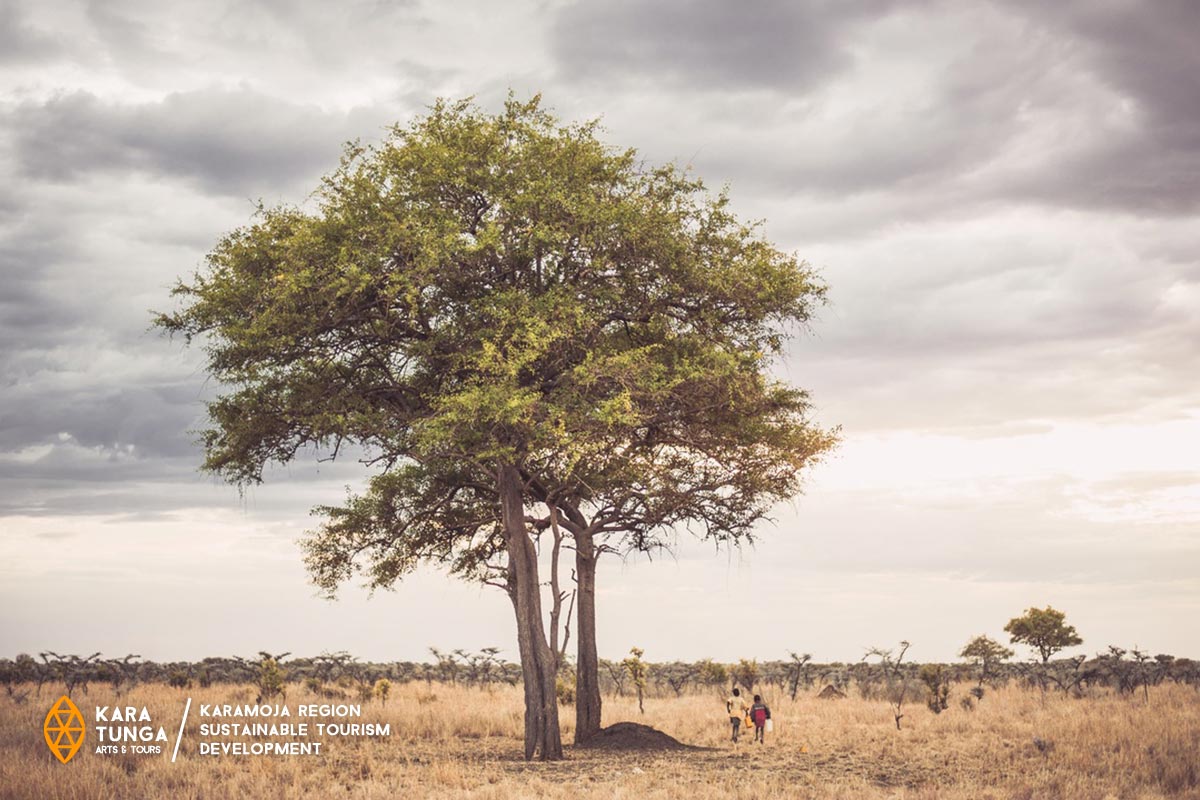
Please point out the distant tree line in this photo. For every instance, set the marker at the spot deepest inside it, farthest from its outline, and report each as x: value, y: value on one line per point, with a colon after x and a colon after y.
x: 329, y: 674
x: 882, y: 674
x: 340, y: 675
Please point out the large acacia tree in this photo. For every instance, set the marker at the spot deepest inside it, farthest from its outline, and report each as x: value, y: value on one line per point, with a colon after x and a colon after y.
x: 522, y: 331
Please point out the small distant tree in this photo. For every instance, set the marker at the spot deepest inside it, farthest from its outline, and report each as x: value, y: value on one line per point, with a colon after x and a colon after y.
x: 636, y: 669
x: 1145, y: 670
x: 271, y: 677
x: 9, y: 673
x: 1128, y: 675
x: 1115, y: 670
x: 448, y: 664
x: 214, y: 670
x: 122, y: 673
x: 26, y: 668
x: 895, y: 675
x: 1183, y: 671
x: 1043, y: 629
x: 329, y: 667
x: 798, y: 672
x: 566, y: 685
x: 1067, y: 674
x: 937, y: 680
x: 13, y: 673
x: 678, y: 675
x: 616, y: 673
x: 1162, y: 667
x: 74, y: 671
x: 712, y: 674
x: 986, y: 653
x: 383, y: 687
x: 484, y: 667
x: 745, y: 674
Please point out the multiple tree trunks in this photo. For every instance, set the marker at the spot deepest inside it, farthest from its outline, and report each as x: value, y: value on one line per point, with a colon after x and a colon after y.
x: 539, y: 665
x: 622, y: 301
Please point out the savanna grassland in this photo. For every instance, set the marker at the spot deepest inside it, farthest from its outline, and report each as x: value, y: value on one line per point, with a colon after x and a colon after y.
x: 458, y: 742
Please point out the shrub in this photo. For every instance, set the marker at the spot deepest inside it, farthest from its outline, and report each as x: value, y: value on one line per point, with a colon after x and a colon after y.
x: 937, y: 682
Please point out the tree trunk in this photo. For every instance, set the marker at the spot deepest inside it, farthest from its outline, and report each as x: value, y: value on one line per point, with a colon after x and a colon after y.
x: 539, y: 667
x: 587, y: 668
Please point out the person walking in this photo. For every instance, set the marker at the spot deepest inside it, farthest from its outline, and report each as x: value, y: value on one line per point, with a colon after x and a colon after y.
x: 736, y: 707
x: 759, y: 714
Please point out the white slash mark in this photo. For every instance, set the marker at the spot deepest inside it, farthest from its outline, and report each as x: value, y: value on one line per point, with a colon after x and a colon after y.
x: 182, y: 722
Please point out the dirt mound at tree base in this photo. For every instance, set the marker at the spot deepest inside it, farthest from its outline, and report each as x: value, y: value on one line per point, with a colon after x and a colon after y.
x: 632, y: 736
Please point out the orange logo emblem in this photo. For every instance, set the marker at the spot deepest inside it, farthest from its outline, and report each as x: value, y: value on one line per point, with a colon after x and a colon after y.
x: 64, y: 729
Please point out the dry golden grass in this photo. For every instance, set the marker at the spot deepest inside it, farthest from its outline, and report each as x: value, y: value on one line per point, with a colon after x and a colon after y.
x: 465, y: 743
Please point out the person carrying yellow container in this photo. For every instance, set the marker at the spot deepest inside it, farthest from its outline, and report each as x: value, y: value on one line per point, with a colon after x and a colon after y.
x: 737, y: 709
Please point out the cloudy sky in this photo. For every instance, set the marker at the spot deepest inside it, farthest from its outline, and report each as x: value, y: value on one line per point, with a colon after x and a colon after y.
x: 1002, y: 196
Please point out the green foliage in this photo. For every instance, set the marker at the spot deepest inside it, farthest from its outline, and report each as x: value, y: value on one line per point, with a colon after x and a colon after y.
x: 745, y: 674
x: 383, y: 688
x: 179, y: 679
x: 564, y: 684
x: 635, y: 667
x: 637, y: 671
x: 677, y: 675
x: 484, y: 667
x: 502, y: 302
x: 564, y: 689
x: 483, y: 289
x: 986, y: 653
x: 710, y: 673
x: 799, y: 672
x: 1043, y: 629
x: 937, y: 682
x: 271, y: 677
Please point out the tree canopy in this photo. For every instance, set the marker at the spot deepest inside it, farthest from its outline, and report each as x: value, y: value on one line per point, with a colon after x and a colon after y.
x: 499, y: 311
x: 985, y: 650
x: 1044, y: 629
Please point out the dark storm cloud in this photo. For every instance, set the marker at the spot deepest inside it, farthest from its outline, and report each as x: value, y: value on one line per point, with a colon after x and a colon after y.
x: 779, y: 120
x: 237, y: 142
x: 709, y: 44
x: 1081, y: 105
x: 152, y: 419
x: 34, y: 312
x: 1005, y: 321
x: 89, y: 398
x: 68, y: 375
x: 67, y: 478
x: 1147, y: 54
